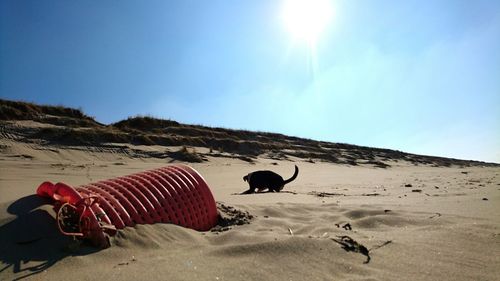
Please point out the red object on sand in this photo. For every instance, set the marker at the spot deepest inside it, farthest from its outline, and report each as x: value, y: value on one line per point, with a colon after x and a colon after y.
x: 175, y: 194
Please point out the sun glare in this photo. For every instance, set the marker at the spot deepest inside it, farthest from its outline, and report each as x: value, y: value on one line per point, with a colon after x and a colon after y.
x: 306, y: 19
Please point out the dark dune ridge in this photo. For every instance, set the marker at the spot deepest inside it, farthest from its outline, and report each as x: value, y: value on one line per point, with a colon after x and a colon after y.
x: 62, y: 126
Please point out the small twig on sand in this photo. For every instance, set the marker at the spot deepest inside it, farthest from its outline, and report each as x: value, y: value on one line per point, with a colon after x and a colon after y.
x: 381, y: 245
x: 347, y: 226
x: 350, y: 245
x: 436, y: 215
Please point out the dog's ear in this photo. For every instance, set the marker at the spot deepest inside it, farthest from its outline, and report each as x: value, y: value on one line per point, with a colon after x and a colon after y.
x: 245, y: 178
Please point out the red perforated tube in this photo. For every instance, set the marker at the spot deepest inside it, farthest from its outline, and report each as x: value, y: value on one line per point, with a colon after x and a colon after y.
x: 174, y: 194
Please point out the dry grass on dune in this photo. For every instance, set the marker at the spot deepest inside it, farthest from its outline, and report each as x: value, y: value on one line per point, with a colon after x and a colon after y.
x: 67, y: 126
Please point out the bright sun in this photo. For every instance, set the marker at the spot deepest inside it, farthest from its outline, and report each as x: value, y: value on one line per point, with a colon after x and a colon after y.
x: 306, y: 19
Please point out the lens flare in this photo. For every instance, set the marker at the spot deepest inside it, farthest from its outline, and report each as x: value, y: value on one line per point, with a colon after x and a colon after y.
x: 305, y: 20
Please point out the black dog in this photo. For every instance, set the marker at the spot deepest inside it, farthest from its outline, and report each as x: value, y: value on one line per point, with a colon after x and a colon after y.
x: 261, y: 180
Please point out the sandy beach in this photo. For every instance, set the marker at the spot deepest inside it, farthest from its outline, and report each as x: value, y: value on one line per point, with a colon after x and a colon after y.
x: 417, y: 222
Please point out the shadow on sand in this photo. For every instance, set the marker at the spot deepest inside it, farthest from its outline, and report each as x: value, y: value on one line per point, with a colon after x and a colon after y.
x: 31, y: 243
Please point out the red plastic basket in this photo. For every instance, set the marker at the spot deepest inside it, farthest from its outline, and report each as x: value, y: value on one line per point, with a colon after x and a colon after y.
x: 175, y: 194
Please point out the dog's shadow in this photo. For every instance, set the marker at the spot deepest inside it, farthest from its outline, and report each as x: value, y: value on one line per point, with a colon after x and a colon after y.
x: 30, y: 242
x: 265, y: 192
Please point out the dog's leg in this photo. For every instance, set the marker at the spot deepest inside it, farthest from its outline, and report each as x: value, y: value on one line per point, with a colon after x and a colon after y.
x: 260, y: 189
x: 249, y: 191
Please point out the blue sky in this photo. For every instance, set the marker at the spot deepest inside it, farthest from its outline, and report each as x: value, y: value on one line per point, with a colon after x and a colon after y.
x: 417, y: 76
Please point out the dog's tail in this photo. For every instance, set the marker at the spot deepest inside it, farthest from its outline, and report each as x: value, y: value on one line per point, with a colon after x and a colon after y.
x: 294, y: 175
